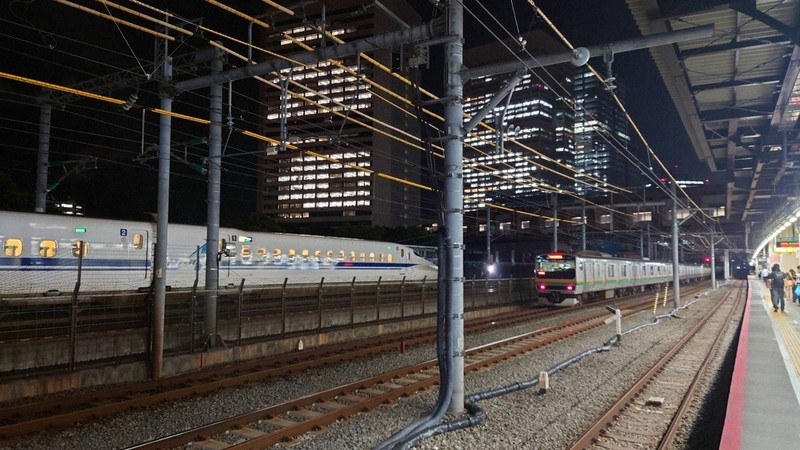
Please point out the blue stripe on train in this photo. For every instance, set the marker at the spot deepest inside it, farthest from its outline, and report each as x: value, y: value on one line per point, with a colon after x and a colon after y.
x: 11, y: 264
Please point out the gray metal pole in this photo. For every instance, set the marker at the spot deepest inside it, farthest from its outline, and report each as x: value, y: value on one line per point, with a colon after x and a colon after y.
x: 488, y: 238
x: 676, y: 285
x: 583, y: 227
x: 454, y: 191
x: 43, y: 158
x: 641, y: 243
x: 160, y: 275
x: 212, y: 214
x: 284, y: 111
x: 727, y: 266
x: 555, y: 221
x: 713, y: 263
x: 414, y: 34
x: 649, y: 41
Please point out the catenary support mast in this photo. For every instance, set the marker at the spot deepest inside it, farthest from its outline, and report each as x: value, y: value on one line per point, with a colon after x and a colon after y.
x: 453, y: 191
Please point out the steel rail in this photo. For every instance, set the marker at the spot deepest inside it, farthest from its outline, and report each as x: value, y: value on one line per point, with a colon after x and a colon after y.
x: 604, y: 423
x: 292, y: 419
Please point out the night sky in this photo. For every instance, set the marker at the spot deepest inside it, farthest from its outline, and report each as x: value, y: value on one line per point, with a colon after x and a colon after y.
x: 121, y: 187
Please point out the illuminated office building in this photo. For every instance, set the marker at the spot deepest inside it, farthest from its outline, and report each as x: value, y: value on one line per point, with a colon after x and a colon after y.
x: 602, y: 138
x: 533, y: 128
x: 342, y: 171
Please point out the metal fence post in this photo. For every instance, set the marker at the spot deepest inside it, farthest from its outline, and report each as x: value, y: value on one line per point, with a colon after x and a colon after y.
x: 319, y: 304
x: 422, y: 294
x: 73, y: 314
x: 352, y: 303
x: 378, y: 301
x: 402, y: 298
x: 239, y: 314
x: 283, y: 307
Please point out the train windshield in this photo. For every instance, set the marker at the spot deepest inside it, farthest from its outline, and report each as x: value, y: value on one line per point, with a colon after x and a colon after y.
x: 555, y: 265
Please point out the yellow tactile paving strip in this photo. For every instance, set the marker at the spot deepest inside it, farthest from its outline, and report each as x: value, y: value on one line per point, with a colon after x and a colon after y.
x: 786, y: 331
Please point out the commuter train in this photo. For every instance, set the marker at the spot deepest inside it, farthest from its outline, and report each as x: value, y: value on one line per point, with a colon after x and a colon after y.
x: 568, y: 279
x: 42, y: 253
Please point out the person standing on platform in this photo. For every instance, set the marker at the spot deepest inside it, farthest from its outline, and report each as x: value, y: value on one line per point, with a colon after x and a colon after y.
x: 792, y: 284
x: 776, y: 283
x: 764, y: 273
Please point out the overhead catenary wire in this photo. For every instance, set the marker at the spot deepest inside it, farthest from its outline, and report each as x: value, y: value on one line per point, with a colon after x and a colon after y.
x: 201, y: 122
x: 620, y: 148
x: 622, y: 107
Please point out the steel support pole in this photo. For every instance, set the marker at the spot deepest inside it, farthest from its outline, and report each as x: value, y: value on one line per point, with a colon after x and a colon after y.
x: 555, y: 221
x: 676, y: 285
x: 160, y: 274
x: 713, y: 259
x: 583, y: 227
x: 453, y: 192
x: 727, y: 266
x: 212, y: 213
x: 413, y: 34
x: 628, y: 45
x: 488, y: 238
x: 43, y: 157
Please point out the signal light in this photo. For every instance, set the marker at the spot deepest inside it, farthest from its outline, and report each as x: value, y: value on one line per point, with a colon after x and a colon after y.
x: 542, y: 287
x: 707, y: 259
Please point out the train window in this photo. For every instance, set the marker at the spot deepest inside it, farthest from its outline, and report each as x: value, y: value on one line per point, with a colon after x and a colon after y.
x: 341, y: 255
x: 330, y: 255
x: 277, y: 253
x: 380, y: 257
x: 372, y: 257
x: 318, y: 255
x: 291, y: 254
x: 611, y: 271
x: 352, y: 256
x: 245, y: 252
x: 402, y: 253
x: 389, y: 257
x: 262, y: 254
x: 76, y: 248
x: 13, y: 247
x: 305, y: 254
x: 48, y: 248
x: 138, y: 241
x: 223, y: 245
x: 624, y: 271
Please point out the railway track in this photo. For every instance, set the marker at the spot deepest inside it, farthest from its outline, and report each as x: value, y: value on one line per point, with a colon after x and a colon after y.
x: 649, y: 415
x: 280, y: 423
x: 62, y: 411
x: 21, y: 420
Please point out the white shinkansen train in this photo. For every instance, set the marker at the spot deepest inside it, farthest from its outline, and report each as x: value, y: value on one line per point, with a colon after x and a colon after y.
x: 41, y: 253
x: 567, y: 279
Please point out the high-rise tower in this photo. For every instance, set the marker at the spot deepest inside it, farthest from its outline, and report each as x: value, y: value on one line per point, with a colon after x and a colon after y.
x: 348, y: 130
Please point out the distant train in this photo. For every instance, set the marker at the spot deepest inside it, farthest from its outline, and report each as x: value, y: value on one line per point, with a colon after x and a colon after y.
x: 567, y: 279
x: 41, y: 253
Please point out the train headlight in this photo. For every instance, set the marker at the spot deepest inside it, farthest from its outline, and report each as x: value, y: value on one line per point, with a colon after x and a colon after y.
x: 570, y: 287
x: 542, y: 287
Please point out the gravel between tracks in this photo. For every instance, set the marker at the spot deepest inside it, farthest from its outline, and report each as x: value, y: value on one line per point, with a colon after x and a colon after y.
x: 521, y: 420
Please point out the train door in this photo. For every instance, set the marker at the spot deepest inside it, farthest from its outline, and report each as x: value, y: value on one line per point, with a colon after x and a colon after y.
x: 588, y: 274
x: 599, y: 275
x: 583, y: 268
x: 139, y: 243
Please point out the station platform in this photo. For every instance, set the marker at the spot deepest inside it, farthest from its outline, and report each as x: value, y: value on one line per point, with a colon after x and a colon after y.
x: 764, y: 401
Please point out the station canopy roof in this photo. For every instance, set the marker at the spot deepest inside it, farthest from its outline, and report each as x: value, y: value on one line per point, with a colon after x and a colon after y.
x: 738, y: 95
